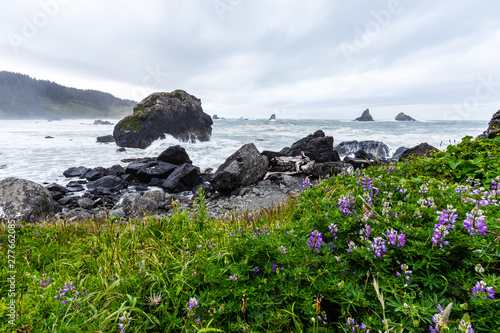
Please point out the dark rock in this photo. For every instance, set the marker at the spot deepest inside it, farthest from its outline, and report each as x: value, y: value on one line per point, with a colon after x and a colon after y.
x: 329, y: 169
x: 106, y: 139
x: 317, y: 147
x: 273, y: 117
x: 397, y: 154
x: 110, y: 182
x: 376, y: 148
x: 121, y: 150
x: 25, y: 200
x: 49, y: 137
x: 102, y: 122
x: 56, y: 195
x: 127, y: 177
x: 177, y: 113
x: 246, y: 166
x: 74, y: 187
x: 493, y: 129
x: 184, y: 178
x: 403, y: 117
x: 423, y: 149
x: 156, y: 169
x: 358, y: 163
x: 215, y: 117
x: 365, y: 116
x: 175, y: 155
x: 134, y: 167
x: 363, y: 154
x: 116, y: 170
x: 75, y: 172
x: 96, y: 173
x: 56, y: 188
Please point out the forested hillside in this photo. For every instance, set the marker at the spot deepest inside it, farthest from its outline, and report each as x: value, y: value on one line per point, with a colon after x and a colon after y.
x: 24, y: 97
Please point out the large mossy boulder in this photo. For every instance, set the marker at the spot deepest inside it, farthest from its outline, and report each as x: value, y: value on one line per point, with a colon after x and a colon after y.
x: 177, y: 113
x: 25, y: 200
x: 493, y: 129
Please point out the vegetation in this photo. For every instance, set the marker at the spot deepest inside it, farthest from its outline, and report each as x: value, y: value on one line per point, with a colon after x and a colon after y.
x: 131, y: 123
x: 412, y: 247
x: 24, y: 97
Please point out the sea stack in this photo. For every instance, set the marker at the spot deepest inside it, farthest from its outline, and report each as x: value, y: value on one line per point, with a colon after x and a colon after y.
x: 493, y: 129
x: 273, y: 117
x: 176, y: 113
x: 366, y: 116
x: 403, y: 117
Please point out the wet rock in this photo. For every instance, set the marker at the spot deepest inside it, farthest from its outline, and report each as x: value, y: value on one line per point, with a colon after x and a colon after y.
x: 246, y: 166
x: 96, y: 173
x: 106, y: 139
x: 110, y: 182
x: 25, y: 200
x: 74, y: 186
x: 85, y: 203
x: 423, y: 149
x: 397, y: 154
x: 317, y: 147
x: 116, y: 170
x: 156, y: 169
x: 403, y: 117
x: 365, y: 116
x: 177, y: 113
x: 184, y: 178
x: 174, y: 155
x: 75, y: 172
x: 493, y: 129
x: 376, y: 148
x: 326, y: 169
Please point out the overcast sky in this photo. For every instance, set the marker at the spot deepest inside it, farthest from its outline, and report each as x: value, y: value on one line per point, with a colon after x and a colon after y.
x: 251, y: 58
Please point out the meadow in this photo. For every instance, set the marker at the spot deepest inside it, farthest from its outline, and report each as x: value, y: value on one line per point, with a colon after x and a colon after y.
x: 409, y: 247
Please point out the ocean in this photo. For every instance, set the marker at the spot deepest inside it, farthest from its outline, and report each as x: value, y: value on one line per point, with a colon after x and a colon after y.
x: 25, y: 152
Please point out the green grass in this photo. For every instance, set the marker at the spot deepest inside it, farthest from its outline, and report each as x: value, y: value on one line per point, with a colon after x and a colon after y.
x: 148, y: 270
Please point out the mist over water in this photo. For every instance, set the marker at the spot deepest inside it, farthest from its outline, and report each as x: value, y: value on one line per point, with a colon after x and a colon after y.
x: 26, y: 153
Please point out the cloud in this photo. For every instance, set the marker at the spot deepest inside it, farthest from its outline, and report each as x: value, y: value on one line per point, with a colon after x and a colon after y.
x: 252, y: 58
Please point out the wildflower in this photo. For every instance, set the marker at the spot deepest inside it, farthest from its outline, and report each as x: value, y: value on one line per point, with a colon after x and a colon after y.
x: 448, y: 216
x: 465, y: 324
x: 198, y: 320
x: 395, y: 238
x: 378, y: 247
x: 154, y: 300
x: 475, y: 222
x: 306, y: 183
x: 365, y: 231
x: 282, y: 249
x: 345, y: 203
x: 199, y: 246
x: 481, y: 289
x: 406, y: 272
x: 355, y: 328
x: 45, y: 283
x: 255, y: 271
x: 193, y: 302
x: 250, y: 217
x: 406, y: 306
x: 479, y: 268
x: 69, y: 291
x: 276, y: 267
x: 315, y: 240
x: 124, y: 322
x: 352, y: 246
x: 440, y: 233
x: 437, y: 318
x: 333, y: 230
x: 233, y: 277
x: 417, y: 214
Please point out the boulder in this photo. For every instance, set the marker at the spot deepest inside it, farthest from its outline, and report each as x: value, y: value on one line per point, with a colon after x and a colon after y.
x: 134, y: 205
x: 358, y: 163
x: 317, y: 147
x: 106, y: 139
x: 184, y: 178
x: 102, y: 122
x: 110, y: 182
x: 156, y: 169
x: 329, y: 169
x: 245, y: 167
x: 376, y: 148
x: 25, y: 200
x: 116, y: 170
x: 423, y: 149
x: 397, y: 154
x: 175, y: 155
x: 96, y: 173
x: 177, y: 113
x: 75, y: 171
x: 493, y: 129
x: 365, y: 116
x: 403, y: 117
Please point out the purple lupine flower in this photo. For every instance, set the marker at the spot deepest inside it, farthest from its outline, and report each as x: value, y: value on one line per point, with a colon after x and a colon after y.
x: 365, y: 231
x: 250, y: 217
x: 282, y: 249
x: 124, y: 322
x: 396, y: 238
x: 355, y: 328
x: 276, y: 267
x: 193, y: 302
x: 475, y: 222
x: 378, y: 247
x: 333, y: 230
x: 45, y: 283
x: 306, y: 183
x: 440, y: 233
x: 346, y: 204
x: 233, y: 277
x: 255, y: 271
x: 482, y: 290
x: 448, y: 216
x: 465, y: 326
x: 315, y: 240
x: 436, y: 319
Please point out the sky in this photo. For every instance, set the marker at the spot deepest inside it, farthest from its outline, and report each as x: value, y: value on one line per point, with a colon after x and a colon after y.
x: 318, y: 59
